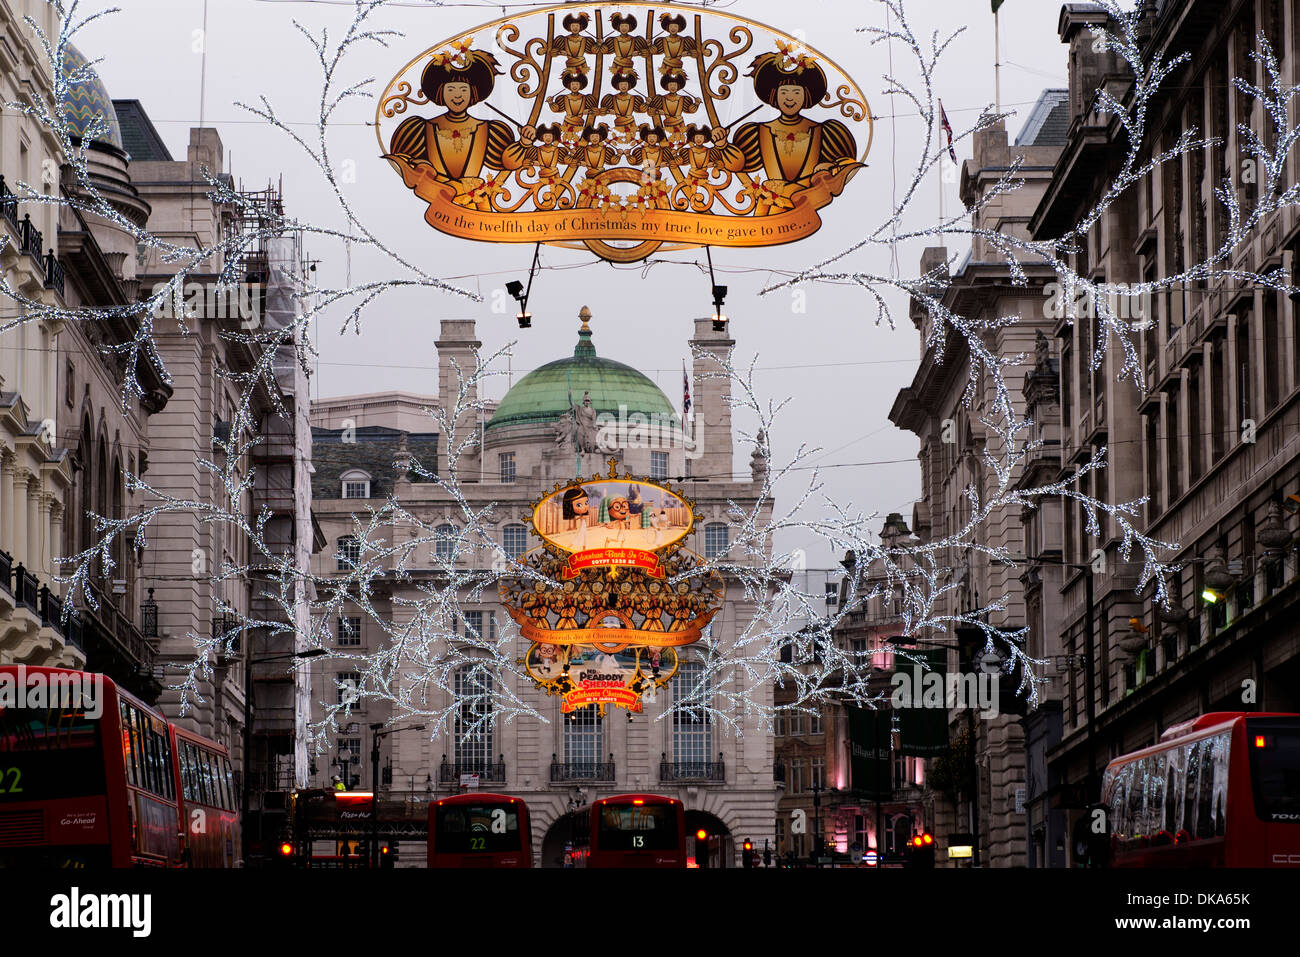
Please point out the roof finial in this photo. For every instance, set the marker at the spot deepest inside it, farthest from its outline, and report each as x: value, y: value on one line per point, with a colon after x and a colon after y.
x: 585, y: 316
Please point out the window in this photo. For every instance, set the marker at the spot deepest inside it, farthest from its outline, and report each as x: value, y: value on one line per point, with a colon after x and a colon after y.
x: 349, y: 553
x: 349, y: 687
x: 796, y: 776
x: 514, y: 539
x: 473, y: 688
x: 356, y: 484
x: 507, y: 460
x: 817, y: 772
x: 815, y: 725
x: 444, y: 548
x: 780, y: 835
x: 70, y: 389
x: 659, y: 466
x: 795, y: 724
x: 584, y: 740
x: 474, y: 624
x: 716, y: 541
x: 349, y: 630
x: 692, y: 728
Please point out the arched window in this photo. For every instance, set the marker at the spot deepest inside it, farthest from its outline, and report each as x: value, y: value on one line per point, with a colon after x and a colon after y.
x: 349, y: 553
x: 716, y: 540
x: 356, y: 484
x: 444, y: 548
x: 473, y: 720
x: 514, y: 539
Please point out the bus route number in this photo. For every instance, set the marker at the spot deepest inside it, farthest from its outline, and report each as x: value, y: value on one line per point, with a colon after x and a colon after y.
x: 13, y: 778
x: 638, y: 840
x: 478, y: 843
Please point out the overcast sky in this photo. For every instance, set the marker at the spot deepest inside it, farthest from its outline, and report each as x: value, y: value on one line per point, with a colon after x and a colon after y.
x: 841, y: 370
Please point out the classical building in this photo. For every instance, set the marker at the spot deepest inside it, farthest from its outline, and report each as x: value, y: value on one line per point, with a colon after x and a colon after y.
x: 725, y: 779
x: 954, y: 442
x: 262, y: 721
x: 67, y: 444
x: 1214, y: 441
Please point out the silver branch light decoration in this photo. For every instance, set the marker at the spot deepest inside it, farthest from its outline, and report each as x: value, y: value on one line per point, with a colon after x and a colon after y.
x: 430, y: 642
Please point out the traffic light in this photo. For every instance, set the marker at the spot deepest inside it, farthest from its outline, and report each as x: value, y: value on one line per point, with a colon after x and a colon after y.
x: 702, y: 848
x: 388, y: 855
x: 920, y: 851
x: 748, y: 848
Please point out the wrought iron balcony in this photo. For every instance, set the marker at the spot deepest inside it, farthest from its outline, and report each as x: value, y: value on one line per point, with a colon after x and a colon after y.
x: 563, y: 771
x: 693, y: 770
x: 25, y: 588
x: 32, y: 241
x: 486, y: 769
x: 6, y: 560
x: 8, y: 205
x: 54, y: 278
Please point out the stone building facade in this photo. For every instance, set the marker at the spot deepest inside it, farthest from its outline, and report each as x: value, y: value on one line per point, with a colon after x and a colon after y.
x: 954, y: 442
x: 725, y: 779
x: 1213, y: 442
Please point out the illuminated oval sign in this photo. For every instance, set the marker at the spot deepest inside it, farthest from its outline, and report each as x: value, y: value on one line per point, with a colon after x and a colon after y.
x: 613, y: 523
x: 624, y: 128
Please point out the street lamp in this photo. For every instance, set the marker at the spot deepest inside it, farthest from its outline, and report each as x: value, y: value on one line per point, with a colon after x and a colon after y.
x: 377, y: 733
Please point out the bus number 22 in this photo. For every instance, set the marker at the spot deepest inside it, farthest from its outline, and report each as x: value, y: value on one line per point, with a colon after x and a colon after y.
x: 477, y: 843
x: 15, y: 775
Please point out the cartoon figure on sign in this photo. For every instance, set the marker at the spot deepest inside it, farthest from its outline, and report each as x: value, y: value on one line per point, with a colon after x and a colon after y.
x: 700, y: 158
x: 652, y: 607
x: 623, y: 45
x: 457, y: 146
x: 574, y: 508
x: 574, y: 47
x: 792, y: 147
x: 575, y: 105
x: 594, y: 154
x: 548, y: 658
x: 547, y: 155
x: 674, y: 47
x: 536, y: 606
x: 566, y: 606
x: 623, y: 104
x: 673, y: 105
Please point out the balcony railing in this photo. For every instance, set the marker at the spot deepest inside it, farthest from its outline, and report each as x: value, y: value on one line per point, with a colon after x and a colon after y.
x: 693, y: 770
x: 32, y: 241
x: 8, y: 205
x: 54, y: 278
x: 6, y: 561
x: 562, y: 771
x: 487, y: 770
x: 25, y: 588
x: 119, y: 631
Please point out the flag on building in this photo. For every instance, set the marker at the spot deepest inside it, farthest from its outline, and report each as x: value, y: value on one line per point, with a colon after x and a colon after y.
x: 947, y: 128
x: 686, y: 393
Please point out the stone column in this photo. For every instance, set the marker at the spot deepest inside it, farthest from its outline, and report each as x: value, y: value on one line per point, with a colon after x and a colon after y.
x: 18, y: 513
x: 34, y: 558
x: 7, y: 536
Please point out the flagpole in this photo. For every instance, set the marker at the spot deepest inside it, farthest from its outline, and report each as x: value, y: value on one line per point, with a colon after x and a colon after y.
x: 997, y: 62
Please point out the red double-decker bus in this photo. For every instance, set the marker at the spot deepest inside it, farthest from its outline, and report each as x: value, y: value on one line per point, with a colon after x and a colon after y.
x: 480, y: 830
x: 1222, y: 790
x: 89, y: 775
x: 209, y: 805
x: 630, y: 830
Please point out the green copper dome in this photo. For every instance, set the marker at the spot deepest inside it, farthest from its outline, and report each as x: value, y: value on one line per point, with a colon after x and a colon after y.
x: 542, y: 396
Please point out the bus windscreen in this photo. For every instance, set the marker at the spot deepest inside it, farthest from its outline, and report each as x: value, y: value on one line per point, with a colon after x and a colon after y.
x: 637, y: 827
x: 1274, y: 748
x: 476, y: 829
x: 49, y: 753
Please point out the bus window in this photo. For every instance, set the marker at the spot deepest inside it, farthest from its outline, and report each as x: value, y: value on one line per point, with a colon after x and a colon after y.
x: 1136, y: 792
x: 1192, y: 757
x: 1156, y: 795
x: 1221, y: 746
x: 1275, y: 768
x: 1205, y: 790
